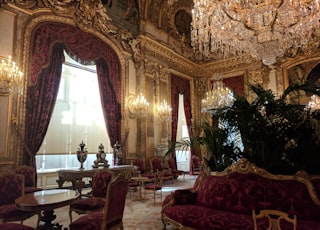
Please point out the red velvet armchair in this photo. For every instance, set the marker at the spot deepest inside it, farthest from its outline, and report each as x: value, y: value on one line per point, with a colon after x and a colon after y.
x: 29, y: 174
x: 139, y: 163
x: 172, y: 165
x: 196, y: 165
x: 112, y: 214
x: 96, y: 201
x: 155, y: 188
x: 157, y: 167
x: 11, y: 187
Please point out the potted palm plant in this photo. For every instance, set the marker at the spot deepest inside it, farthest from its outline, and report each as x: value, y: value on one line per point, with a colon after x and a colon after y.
x: 274, y: 134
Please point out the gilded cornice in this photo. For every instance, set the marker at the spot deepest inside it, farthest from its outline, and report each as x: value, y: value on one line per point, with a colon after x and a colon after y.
x: 160, y: 52
x: 155, y: 50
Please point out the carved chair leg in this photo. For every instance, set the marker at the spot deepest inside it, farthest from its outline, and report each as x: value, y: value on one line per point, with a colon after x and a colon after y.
x: 39, y: 217
x: 70, y: 215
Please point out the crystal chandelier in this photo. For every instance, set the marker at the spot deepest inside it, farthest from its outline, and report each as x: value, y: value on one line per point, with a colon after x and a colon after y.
x: 11, y: 80
x: 259, y: 29
x: 138, y: 106
x: 314, y: 103
x: 164, y: 111
x: 219, y: 97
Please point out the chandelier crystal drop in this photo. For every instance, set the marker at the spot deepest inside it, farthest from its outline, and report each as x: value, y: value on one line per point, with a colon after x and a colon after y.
x: 258, y: 29
x: 11, y: 78
x: 164, y: 111
x: 219, y: 97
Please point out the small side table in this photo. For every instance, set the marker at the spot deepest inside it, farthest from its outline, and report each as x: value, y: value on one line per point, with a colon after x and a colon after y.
x: 141, y: 180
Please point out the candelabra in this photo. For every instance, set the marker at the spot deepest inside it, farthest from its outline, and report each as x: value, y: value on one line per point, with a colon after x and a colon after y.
x: 137, y: 106
x: 11, y: 78
x: 164, y: 111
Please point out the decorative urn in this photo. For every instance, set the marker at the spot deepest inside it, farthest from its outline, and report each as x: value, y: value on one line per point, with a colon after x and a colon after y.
x: 82, y: 154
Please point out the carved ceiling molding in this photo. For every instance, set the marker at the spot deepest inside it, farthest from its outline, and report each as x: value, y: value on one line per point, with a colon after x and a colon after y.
x: 165, y: 73
x: 180, y: 5
x: 155, y: 50
x: 200, y: 85
x: 226, y: 67
x: 87, y: 15
x: 151, y: 68
x: 156, y: 70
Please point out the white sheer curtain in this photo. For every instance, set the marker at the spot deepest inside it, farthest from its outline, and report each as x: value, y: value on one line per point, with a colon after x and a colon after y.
x: 182, y: 156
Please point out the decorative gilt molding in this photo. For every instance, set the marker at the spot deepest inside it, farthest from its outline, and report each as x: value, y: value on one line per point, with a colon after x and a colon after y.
x: 151, y: 68
x: 87, y: 15
x: 167, y: 57
x: 255, y: 78
x: 165, y: 73
x: 200, y: 85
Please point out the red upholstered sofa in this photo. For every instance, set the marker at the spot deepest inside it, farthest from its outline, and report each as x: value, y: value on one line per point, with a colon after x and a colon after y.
x: 225, y: 200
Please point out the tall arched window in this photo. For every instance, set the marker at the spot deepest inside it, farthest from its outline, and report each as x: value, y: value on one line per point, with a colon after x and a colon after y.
x: 77, y: 117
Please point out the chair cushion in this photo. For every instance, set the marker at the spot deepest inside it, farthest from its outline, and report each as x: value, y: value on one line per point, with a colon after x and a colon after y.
x: 92, y: 203
x: 133, y: 184
x: 11, y: 212
x: 14, y: 226
x: 149, y: 175
x: 153, y: 187
x: 92, y: 221
x: 87, y: 222
x: 184, y: 196
x: 202, y: 218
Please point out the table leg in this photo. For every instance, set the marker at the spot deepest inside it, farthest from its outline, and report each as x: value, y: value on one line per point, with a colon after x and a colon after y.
x: 140, y: 198
x: 47, y: 217
x: 60, y: 181
x: 78, y: 185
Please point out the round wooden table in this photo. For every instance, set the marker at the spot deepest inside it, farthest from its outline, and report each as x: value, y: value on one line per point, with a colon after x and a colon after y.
x: 46, y: 201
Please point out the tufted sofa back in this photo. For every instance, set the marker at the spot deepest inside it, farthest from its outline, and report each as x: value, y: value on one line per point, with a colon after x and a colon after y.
x: 242, y: 193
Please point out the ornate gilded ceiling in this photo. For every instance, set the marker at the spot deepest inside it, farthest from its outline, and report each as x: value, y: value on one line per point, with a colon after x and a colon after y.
x: 166, y: 22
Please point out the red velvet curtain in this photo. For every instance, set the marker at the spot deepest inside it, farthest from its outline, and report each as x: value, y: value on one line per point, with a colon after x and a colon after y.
x: 236, y: 84
x: 86, y: 49
x: 111, y: 107
x: 41, y: 98
x: 180, y: 86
